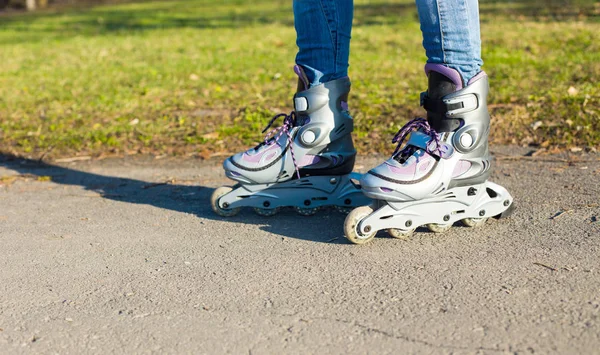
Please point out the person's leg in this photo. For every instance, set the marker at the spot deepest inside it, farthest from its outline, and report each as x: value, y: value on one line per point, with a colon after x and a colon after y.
x: 323, y: 37
x: 306, y: 162
x: 451, y: 35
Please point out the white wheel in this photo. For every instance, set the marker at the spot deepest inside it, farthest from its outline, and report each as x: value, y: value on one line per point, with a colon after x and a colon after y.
x: 399, y: 233
x: 214, y: 202
x: 266, y: 212
x: 343, y: 209
x: 439, y: 228
x: 306, y: 211
x: 473, y: 222
x: 352, y: 224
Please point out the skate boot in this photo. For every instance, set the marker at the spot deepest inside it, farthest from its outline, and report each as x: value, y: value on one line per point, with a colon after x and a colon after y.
x: 439, y: 176
x: 306, y: 163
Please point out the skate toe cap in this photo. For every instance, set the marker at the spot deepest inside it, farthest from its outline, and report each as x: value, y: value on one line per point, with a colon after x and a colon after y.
x: 239, y: 161
x: 228, y: 164
x: 377, y: 187
x: 233, y: 170
x: 372, y: 181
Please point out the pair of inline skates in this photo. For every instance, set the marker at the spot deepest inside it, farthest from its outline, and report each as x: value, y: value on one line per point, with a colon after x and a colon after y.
x: 436, y: 176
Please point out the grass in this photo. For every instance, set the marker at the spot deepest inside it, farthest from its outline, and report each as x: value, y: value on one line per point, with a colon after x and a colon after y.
x: 187, y: 77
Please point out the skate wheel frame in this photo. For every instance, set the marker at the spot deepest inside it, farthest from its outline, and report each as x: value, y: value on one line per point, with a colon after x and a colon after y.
x: 306, y: 195
x: 437, y: 213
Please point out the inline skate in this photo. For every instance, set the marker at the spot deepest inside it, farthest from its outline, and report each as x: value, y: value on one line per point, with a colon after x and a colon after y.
x: 306, y: 163
x: 439, y: 176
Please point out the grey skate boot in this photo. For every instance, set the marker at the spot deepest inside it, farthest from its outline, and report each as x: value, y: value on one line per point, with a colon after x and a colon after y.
x: 440, y: 175
x: 306, y: 163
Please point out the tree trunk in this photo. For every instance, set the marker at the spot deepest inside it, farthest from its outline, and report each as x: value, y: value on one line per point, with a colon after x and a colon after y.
x: 30, y: 5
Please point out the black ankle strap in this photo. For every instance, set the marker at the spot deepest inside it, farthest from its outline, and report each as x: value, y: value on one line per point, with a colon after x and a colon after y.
x: 436, y: 113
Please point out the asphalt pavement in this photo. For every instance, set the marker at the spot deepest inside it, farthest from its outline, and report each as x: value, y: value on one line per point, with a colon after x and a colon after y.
x: 126, y: 256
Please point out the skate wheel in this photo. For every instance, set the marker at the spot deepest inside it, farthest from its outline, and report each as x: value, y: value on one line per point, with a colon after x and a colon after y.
x: 399, y: 233
x: 352, y: 224
x: 214, y: 202
x: 266, y: 212
x: 473, y: 222
x: 343, y: 209
x: 305, y: 211
x: 438, y: 228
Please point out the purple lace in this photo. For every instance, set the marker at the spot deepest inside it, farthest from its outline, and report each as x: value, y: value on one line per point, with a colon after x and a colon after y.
x: 416, y: 125
x: 289, y: 121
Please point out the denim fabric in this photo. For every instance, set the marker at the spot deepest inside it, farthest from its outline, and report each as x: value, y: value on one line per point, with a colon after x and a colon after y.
x: 323, y: 37
x: 450, y: 36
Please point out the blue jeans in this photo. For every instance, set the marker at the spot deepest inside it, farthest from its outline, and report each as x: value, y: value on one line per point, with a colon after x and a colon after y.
x: 450, y: 36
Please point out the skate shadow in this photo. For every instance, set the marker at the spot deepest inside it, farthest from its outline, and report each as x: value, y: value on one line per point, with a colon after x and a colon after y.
x: 325, y: 227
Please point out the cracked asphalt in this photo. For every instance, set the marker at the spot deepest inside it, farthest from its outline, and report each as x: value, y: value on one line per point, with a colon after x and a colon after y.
x: 126, y: 256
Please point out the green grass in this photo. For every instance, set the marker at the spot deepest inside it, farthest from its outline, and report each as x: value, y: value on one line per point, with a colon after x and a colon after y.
x: 203, y: 77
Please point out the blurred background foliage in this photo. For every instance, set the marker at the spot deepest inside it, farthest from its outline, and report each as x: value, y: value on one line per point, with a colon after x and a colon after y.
x: 202, y: 77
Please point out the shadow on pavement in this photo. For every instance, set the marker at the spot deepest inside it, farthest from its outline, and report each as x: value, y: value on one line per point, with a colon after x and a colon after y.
x: 325, y: 227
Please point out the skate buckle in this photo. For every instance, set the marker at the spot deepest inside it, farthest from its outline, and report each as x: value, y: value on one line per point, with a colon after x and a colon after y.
x: 300, y: 104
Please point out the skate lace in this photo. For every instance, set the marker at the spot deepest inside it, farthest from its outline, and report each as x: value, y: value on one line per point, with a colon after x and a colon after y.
x: 415, y: 125
x: 289, y: 122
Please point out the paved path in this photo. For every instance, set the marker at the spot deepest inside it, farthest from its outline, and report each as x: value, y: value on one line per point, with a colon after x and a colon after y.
x: 126, y: 256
